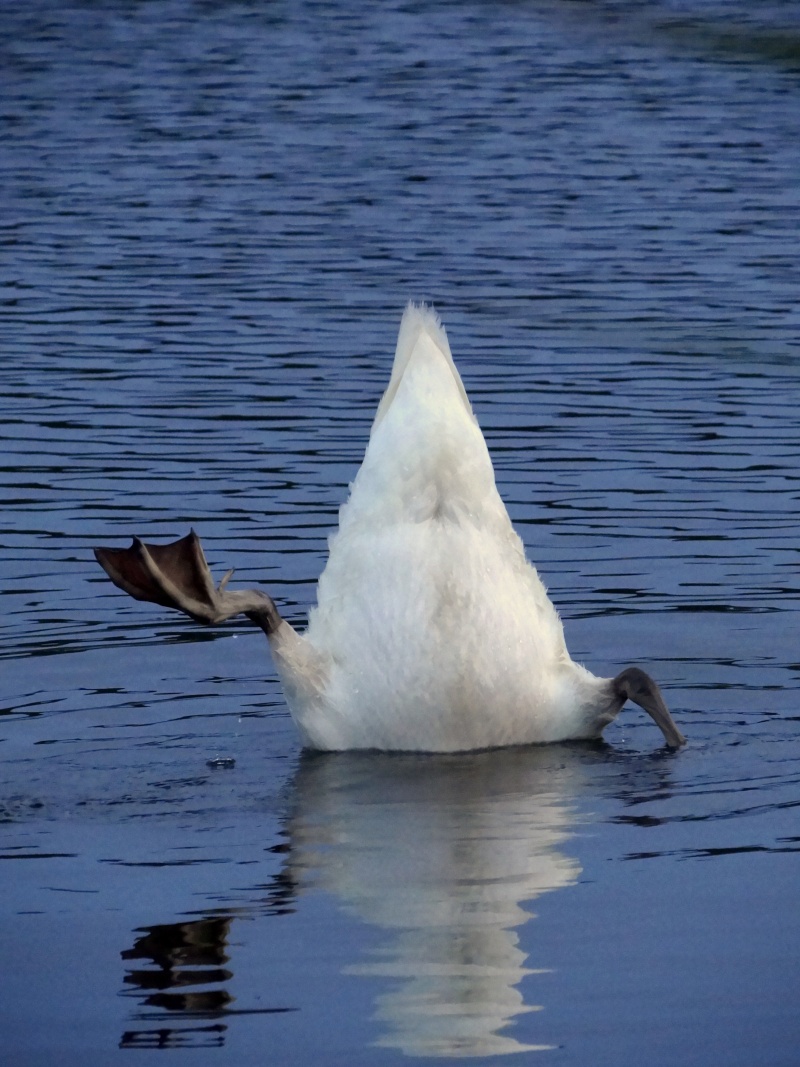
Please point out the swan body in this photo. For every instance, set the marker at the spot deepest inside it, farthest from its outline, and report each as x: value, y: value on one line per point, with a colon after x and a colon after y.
x: 432, y: 631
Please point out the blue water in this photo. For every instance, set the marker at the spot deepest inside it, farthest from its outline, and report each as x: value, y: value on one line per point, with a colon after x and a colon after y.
x: 211, y: 217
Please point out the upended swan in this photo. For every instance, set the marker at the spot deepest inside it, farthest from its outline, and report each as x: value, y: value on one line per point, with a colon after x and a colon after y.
x: 432, y: 631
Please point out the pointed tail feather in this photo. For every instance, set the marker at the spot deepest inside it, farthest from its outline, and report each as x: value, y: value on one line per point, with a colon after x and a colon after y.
x: 418, y: 319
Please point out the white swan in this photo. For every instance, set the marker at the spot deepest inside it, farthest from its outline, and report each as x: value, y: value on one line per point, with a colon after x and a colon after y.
x: 431, y: 631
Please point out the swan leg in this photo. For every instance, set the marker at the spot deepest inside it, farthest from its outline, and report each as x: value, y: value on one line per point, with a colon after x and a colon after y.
x: 177, y: 576
x: 633, y: 684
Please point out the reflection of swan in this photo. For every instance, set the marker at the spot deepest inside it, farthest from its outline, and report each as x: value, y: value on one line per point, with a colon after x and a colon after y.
x: 171, y: 961
x: 442, y: 853
x: 178, y: 976
x: 432, y: 631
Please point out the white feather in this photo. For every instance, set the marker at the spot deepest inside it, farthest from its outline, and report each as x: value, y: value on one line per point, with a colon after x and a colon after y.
x: 432, y: 631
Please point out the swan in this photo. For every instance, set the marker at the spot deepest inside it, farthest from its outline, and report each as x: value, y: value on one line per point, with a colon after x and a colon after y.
x: 432, y: 631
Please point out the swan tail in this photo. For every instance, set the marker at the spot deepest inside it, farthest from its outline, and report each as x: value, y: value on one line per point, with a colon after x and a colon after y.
x: 419, y: 322
x: 177, y: 576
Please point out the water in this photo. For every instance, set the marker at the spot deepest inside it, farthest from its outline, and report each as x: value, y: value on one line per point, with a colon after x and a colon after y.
x: 212, y: 216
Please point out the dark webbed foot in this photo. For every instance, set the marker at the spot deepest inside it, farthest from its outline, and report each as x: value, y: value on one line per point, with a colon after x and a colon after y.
x: 177, y: 576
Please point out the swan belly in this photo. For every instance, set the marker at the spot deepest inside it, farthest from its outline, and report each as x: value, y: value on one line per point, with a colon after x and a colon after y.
x: 438, y: 638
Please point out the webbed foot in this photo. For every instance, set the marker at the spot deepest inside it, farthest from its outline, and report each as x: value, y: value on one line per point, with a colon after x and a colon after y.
x: 177, y: 576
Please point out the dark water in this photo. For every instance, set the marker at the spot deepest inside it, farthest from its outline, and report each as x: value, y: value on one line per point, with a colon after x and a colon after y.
x: 211, y: 216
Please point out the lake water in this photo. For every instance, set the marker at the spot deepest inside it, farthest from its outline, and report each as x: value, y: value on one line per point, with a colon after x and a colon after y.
x: 211, y: 217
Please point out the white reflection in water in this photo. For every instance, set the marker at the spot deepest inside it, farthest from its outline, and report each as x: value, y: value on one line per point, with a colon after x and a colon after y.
x: 443, y: 852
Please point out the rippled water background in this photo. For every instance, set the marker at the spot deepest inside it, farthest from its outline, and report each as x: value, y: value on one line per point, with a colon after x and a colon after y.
x: 211, y: 216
